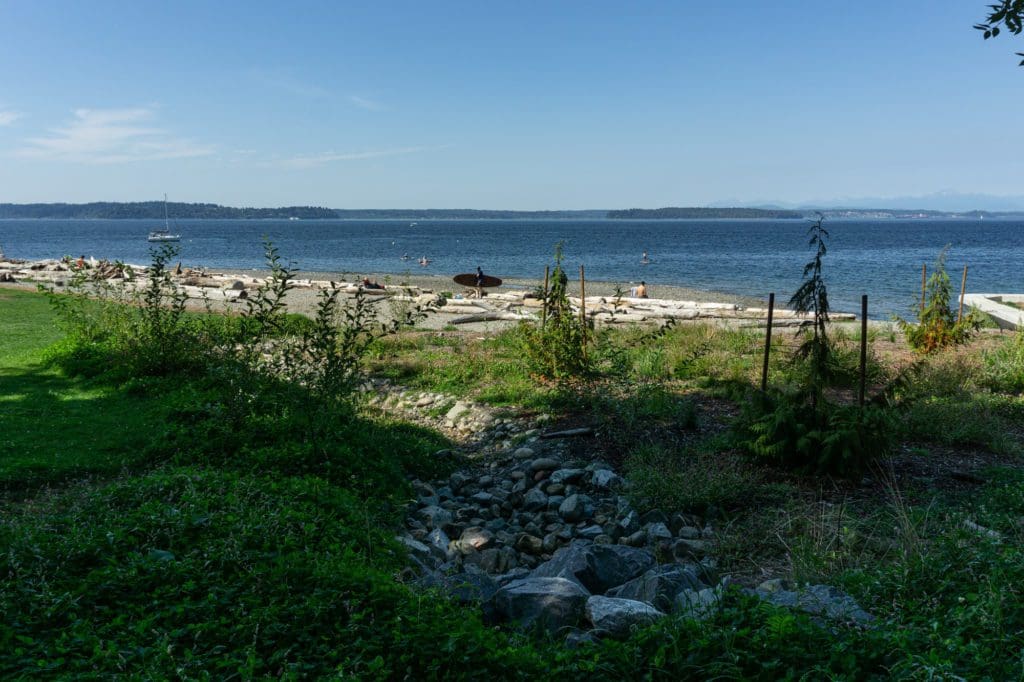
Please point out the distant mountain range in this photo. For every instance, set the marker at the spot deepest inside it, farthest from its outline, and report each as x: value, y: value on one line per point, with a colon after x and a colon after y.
x: 944, y: 202
x: 908, y: 207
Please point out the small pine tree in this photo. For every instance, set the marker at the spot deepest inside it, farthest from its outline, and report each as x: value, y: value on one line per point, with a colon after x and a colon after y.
x: 812, y: 297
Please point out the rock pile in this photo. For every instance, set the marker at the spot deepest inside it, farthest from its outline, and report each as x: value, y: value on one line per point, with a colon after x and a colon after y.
x: 540, y: 540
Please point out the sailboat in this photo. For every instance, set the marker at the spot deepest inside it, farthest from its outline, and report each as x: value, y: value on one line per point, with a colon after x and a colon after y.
x: 164, y: 235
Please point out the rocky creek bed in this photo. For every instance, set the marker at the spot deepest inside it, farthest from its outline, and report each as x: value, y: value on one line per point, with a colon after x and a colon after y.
x: 539, y: 538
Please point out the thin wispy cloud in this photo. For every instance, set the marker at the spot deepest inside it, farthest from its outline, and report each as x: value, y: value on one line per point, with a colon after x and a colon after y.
x: 315, y: 160
x: 104, y: 136
x: 8, y: 117
x: 285, y: 82
x: 366, y: 103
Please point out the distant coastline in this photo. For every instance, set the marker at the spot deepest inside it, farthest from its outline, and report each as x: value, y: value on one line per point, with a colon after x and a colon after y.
x: 154, y: 210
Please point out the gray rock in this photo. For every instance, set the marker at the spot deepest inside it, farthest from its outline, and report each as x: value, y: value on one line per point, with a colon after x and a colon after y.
x: 529, y: 544
x: 554, y: 502
x: 414, y: 547
x: 573, y: 508
x: 637, y: 539
x: 817, y: 600
x: 580, y: 638
x: 596, y: 567
x: 550, y: 602
x: 495, y: 560
x: 439, y: 543
x: 458, y: 410
x: 660, y: 585
x: 551, y: 542
x: 482, y: 497
x: 590, y: 532
x: 688, y: 533
x: 543, y: 464
x: 630, y: 523
x: 567, y: 475
x: 474, y: 538
x: 697, y: 604
x: 534, y: 499
x: 689, y: 549
x: 435, y: 517
x: 523, y: 453
x: 496, y: 526
x: 658, y: 531
x: 605, y: 479
x: 514, y: 574
x: 620, y: 616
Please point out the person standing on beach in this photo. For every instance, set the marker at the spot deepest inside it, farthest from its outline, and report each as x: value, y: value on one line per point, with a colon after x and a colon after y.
x: 479, y: 282
x: 641, y: 291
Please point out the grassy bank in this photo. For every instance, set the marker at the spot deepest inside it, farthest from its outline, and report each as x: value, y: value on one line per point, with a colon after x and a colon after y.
x: 206, y: 515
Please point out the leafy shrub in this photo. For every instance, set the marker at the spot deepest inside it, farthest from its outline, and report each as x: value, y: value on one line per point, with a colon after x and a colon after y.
x: 788, y: 430
x: 558, y: 348
x: 938, y: 326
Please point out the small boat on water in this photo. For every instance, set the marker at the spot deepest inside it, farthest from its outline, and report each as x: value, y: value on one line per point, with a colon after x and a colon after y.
x: 164, y: 235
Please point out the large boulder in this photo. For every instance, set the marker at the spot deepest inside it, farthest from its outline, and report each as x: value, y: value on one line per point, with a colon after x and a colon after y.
x: 550, y: 603
x: 660, y: 585
x: 817, y: 600
x: 619, y: 616
x: 597, y: 567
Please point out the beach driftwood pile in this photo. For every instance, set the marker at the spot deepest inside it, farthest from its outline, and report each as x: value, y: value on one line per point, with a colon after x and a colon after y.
x: 457, y: 309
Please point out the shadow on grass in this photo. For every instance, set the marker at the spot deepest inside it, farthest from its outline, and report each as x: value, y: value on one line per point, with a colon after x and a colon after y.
x: 53, y: 427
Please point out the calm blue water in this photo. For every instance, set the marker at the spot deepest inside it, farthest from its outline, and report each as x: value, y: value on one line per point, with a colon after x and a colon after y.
x: 749, y: 257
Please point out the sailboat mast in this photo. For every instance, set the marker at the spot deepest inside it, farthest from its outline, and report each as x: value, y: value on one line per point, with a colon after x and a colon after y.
x: 167, y: 225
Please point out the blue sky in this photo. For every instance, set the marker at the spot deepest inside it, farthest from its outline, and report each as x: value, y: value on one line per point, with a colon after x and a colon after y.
x: 525, y: 105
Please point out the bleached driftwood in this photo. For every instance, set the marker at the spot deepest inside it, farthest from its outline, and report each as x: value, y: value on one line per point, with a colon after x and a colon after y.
x: 491, y: 316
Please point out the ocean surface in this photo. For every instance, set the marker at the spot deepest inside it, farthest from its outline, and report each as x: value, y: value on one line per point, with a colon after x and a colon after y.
x: 880, y: 258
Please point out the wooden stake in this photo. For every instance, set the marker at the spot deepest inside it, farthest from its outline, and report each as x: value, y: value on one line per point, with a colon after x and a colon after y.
x: 544, y: 300
x: 963, y: 290
x: 583, y: 310
x: 863, y: 345
x: 767, y: 342
x: 924, y: 277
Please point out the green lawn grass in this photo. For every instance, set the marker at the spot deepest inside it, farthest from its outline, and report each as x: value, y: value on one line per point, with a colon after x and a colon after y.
x: 53, y: 426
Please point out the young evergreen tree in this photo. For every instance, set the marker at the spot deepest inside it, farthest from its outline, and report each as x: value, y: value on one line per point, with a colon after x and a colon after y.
x: 812, y: 297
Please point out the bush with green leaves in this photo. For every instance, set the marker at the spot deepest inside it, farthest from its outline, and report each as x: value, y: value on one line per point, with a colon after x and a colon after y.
x: 557, y: 349
x: 938, y: 326
x: 147, y: 329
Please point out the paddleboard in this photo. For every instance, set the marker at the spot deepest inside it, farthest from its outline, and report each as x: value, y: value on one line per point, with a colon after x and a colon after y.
x: 469, y: 280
